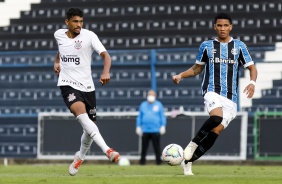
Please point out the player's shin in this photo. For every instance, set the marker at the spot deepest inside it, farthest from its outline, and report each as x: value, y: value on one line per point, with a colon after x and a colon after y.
x: 90, y: 128
x: 86, y: 142
x: 209, y: 124
x: 204, y: 146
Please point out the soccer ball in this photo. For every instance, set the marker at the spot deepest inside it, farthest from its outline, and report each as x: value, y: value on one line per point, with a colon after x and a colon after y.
x: 173, y: 154
x: 124, y: 162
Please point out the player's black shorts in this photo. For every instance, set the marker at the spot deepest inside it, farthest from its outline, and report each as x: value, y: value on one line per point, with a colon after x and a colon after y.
x: 71, y: 95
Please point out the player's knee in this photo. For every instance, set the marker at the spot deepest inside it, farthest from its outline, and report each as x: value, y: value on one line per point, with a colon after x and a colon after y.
x: 216, y: 120
x: 218, y: 129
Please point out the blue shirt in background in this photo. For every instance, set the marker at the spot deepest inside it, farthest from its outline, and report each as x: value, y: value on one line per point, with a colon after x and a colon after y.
x: 151, y: 117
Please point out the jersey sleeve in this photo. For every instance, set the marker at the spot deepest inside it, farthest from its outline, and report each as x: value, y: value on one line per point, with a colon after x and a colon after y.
x: 244, y: 56
x: 202, y: 54
x: 96, y: 44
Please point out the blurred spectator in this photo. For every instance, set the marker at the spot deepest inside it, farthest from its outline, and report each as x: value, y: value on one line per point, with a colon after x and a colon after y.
x: 150, y: 125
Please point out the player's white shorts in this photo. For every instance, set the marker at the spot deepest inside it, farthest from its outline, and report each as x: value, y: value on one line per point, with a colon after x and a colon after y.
x: 229, y: 108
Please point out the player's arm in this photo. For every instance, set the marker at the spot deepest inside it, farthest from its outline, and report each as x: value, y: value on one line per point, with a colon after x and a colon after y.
x: 193, y: 71
x: 105, y: 76
x: 250, y: 88
x: 57, y: 68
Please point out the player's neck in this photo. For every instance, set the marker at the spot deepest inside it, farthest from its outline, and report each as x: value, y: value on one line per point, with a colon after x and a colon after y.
x: 71, y: 35
x: 224, y: 40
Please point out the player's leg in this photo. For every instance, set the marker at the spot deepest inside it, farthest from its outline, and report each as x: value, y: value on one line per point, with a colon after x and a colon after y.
x: 86, y: 142
x: 214, y: 107
x: 211, y: 123
x: 157, y: 148
x: 144, y: 147
x: 229, y: 110
x: 90, y: 105
x: 71, y: 97
x: 204, y: 145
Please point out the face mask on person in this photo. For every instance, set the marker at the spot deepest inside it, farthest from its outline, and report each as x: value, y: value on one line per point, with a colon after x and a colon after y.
x: 151, y: 98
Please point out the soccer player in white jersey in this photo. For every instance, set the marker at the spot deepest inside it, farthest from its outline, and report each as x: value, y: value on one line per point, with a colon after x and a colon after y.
x: 220, y: 59
x: 73, y: 66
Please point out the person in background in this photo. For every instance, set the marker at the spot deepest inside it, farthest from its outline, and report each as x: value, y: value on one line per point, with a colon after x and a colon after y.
x: 150, y: 125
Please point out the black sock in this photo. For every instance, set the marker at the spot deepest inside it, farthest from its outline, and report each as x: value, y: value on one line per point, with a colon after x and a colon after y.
x: 209, y: 124
x: 204, y: 146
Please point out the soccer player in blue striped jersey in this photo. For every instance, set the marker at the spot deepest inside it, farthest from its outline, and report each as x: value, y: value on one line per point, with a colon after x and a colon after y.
x: 220, y: 60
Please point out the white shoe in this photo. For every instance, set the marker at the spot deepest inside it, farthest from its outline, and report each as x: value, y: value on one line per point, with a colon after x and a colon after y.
x: 73, y: 168
x: 189, y: 150
x: 187, y: 168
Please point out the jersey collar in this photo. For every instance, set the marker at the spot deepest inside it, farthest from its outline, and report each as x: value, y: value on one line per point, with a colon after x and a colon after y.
x: 231, y: 38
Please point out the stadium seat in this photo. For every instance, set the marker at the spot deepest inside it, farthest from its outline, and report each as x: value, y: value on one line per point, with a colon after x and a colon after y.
x: 167, y: 93
x: 166, y: 41
x: 29, y: 44
x: 131, y: 10
x: 135, y: 42
x: 273, y: 6
x: 251, y: 23
x: 13, y: 45
x: 203, y: 24
x: 256, y: 7
x: 155, y: 25
x: 224, y: 8
x: 162, y: 9
x: 150, y: 42
x: 114, y: 11
x: 177, y: 9
x: 146, y: 9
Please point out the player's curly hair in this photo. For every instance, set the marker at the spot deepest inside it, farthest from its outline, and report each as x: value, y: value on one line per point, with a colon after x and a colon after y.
x: 223, y: 16
x: 74, y: 12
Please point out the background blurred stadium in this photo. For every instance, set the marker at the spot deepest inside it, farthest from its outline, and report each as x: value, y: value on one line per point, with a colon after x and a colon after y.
x: 149, y: 41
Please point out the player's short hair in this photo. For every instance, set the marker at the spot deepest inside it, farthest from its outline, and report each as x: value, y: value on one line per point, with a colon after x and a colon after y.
x: 74, y: 12
x: 223, y: 16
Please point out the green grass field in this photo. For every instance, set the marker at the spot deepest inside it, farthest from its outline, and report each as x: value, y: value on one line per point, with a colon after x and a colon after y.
x: 113, y: 174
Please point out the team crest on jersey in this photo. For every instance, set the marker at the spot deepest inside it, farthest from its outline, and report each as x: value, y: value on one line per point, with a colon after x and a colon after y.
x: 213, y: 51
x: 234, y: 51
x: 78, y: 44
x: 71, y: 97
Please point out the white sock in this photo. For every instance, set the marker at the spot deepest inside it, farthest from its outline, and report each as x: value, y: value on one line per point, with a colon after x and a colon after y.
x: 92, y: 130
x: 86, y: 142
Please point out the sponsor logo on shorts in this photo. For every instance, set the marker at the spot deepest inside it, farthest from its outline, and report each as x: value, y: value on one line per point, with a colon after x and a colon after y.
x: 92, y: 111
x: 212, y: 104
x: 71, y: 97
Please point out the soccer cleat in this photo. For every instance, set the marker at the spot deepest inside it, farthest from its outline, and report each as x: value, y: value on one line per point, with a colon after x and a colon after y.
x: 112, y: 155
x: 73, y: 168
x: 187, y: 168
x: 189, y: 150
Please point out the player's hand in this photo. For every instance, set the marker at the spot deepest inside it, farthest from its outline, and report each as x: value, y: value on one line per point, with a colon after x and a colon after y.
x: 57, y: 68
x: 176, y: 79
x: 105, y: 78
x: 249, y: 90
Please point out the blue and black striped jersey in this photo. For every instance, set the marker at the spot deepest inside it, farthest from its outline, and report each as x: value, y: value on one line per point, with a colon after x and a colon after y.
x: 222, y: 62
